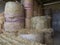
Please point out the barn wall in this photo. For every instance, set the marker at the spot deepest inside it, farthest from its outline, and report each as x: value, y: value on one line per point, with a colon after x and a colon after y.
x: 55, y: 12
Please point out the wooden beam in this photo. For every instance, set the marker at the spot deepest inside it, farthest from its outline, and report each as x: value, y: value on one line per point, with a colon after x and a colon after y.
x: 51, y: 3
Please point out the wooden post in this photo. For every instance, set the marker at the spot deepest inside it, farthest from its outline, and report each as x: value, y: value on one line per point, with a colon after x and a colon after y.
x: 28, y: 4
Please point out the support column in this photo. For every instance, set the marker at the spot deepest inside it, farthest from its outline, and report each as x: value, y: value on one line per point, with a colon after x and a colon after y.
x: 28, y: 4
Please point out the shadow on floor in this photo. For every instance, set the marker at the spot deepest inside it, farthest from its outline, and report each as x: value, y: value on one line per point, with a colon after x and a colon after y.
x: 57, y: 38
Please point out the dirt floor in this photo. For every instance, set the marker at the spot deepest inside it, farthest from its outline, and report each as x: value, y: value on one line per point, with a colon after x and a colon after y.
x: 57, y: 38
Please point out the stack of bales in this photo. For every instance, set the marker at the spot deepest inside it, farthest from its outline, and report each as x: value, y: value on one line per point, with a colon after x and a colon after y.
x: 14, y: 16
x: 41, y: 23
x: 15, y: 21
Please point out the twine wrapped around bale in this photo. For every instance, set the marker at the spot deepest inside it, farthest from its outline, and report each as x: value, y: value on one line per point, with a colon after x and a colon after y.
x: 12, y: 26
x: 16, y: 19
x: 39, y: 22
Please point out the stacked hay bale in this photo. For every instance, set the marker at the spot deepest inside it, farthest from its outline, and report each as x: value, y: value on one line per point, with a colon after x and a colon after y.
x: 14, y: 16
x: 40, y: 23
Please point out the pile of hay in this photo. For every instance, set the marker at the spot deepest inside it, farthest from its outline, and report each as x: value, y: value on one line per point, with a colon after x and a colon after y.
x: 6, y: 39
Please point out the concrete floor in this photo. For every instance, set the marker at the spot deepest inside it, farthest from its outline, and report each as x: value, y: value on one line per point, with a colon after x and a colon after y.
x: 57, y: 38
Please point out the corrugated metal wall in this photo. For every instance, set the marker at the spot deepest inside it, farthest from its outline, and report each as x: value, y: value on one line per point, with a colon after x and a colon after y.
x: 55, y: 16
